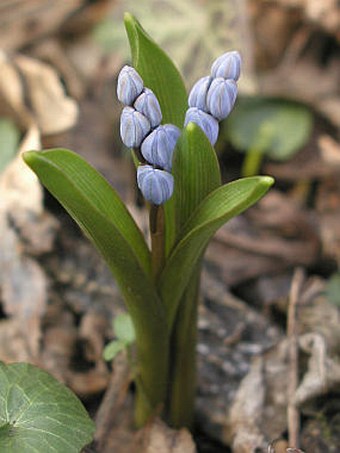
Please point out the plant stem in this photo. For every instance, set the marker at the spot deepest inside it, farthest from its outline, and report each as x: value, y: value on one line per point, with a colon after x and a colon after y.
x: 182, y: 382
x: 157, y: 239
x: 252, y: 162
x: 152, y: 341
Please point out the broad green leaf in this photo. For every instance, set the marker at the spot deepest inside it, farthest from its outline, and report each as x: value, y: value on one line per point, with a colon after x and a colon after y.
x: 113, y: 348
x: 158, y: 72
x: 276, y: 127
x: 103, y: 217
x: 39, y: 414
x: 98, y: 210
x: 123, y: 328
x: 9, y: 141
x: 196, y: 172
x: 216, y: 209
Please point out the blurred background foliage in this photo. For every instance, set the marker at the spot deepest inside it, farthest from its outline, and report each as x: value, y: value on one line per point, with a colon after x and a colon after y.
x: 193, y: 32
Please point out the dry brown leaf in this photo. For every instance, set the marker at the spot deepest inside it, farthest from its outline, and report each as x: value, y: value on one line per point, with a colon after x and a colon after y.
x: 29, y: 20
x: 13, y: 343
x: 323, y: 372
x: 158, y: 437
x: 247, y: 411
x: 32, y: 93
x: 330, y: 150
x: 22, y: 281
x: 325, y: 13
x: 275, y: 235
x: 258, y: 413
x: 11, y: 91
x: 19, y: 186
x: 53, y: 111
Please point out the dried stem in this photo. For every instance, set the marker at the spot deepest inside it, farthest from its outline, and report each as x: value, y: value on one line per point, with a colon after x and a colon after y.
x: 293, y: 415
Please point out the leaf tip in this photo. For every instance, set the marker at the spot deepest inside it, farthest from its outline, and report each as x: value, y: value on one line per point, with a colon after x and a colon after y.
x: 29, y: 157
x: 267, y: 181
x: 129, y: 18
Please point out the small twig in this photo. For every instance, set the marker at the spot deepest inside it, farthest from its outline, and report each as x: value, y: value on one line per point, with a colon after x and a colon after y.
x: 293, y: 415
x: 114, y: 404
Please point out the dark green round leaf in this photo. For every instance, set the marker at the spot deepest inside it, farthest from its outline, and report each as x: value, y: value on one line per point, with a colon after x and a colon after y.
x: 38, y: 414
x: 276, y: 127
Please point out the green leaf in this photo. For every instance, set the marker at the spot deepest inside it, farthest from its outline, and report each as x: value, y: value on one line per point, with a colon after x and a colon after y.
x: 158, y: 72
x: 113, y: 348
x: 276, y: 127
x: 9, y: 141
x: 39, y: 414
x: 216, y: 209
x: 103, y: 217
x: 123, y: 328
x: 196, y: 172
x: 333, y: 289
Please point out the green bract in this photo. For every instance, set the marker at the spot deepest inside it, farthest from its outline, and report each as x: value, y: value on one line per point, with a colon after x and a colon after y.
x: 160, y: 286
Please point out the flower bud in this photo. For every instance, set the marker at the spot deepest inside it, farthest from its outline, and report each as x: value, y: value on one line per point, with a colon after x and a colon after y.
x: 198, y: 93
x: 227, y: 66
x: 134, y: 127
x: 148, y: 104
x: 158, y: 147
x: 206, y: 122
x: 156, y: 185
x: 221, y: 97
x: 129, y: 85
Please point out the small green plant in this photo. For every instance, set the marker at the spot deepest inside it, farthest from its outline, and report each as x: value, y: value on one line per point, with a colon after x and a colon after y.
x: 39, y: 414
x: 125, y: 336
x: 271, y: 127
x: 179, y: 175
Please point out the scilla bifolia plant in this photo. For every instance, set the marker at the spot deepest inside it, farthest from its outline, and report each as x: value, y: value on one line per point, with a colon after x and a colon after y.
x: 179, y: 176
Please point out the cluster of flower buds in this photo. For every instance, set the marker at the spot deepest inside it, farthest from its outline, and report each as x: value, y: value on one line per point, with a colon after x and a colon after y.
x: 212, y: 98
x: 140, y: 128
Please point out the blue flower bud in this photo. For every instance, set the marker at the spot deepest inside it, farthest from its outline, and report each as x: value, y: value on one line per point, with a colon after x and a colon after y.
x: 221, y: 97
x: 158, y: 147
x: 156, y: 185
x: 129, y: 85
x: 148, y: 104
x: 227, y: 66
x: 206, y: 122
x: 198, y: 93
x: 134, y: 127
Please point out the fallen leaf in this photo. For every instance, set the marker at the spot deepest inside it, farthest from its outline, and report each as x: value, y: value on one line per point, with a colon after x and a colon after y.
x: 158, y: 437
x: 53, y: 110
x: 323, y: 371
x: 23, y: 282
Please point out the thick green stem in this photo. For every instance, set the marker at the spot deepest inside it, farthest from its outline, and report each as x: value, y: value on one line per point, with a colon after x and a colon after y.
x: 153, y: 360
x: 157, y: 239
x: 153, y: 339
x: 182, y: 382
